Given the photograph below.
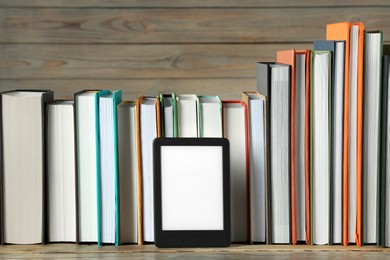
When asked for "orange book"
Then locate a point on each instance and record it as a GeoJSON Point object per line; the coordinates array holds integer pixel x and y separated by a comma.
{"type": "Point", "coordinates": [289, 57]}
{"type": "Point", "coordinates": [140, 183]}
{"type": "Point", "coordinates": [342, 31]}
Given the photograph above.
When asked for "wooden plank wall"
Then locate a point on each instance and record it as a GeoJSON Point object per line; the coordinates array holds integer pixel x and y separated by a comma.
{"type": "Point", "coordinates": [193, 46]}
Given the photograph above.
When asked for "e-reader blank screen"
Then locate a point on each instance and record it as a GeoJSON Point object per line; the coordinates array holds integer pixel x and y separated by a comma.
{"type": "Point", "coordinates": [191, 192]}
{"type": "Point", "coordinates": [192, 188]}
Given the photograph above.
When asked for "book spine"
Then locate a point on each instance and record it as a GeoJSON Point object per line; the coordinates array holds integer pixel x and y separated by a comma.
{"type": "Point", "coordinates": [1, 174]}
{"type": "Point", "coordinates": [117, 96]}
{"type": "Point", "coordinates": [139, 172]}
{"type": "Point", "coordinates": [46, 98]}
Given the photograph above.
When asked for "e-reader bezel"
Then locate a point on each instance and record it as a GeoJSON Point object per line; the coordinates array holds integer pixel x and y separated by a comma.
{"type": "Point", "coordinates": [191, 238]}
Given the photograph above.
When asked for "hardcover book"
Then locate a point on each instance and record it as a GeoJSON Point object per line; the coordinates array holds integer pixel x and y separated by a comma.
{"type": "Point", "coordinates": [337, 48]}
{"type": "Point", "coordinates": [235, 129]}
{"type": "Point", "coordinates": [273, 82]}
{"type": "Point", "coordinates": [299, 60]}
{"type": "Point", "coordinates": [109, 173]}
{"type": "Point", "coordinates": [353, 35]}
{"type": "Point", "coordinates": [23, 169]}
{"type": "Point", "coordinates": [88, 164]}
{"type": "Point", "coordinates": [61, 172]}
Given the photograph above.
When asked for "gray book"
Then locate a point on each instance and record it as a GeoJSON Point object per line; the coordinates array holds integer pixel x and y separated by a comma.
{"type": "Point", "coordinates": [371, 134]}
{"type": "Point", "coordinates": [23, 165]}
{"type": "Point", "coordinates": [384, 218]}
{"type": "Point", "coordinates": [273, 81]}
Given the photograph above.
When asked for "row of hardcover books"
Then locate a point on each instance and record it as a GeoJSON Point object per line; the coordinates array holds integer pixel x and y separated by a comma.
{"type": "Point", "coordinates": [308, 153]}
{"type": "Point", "coordinates": [332, 155]}
{"type": "Point", "coordinates": [82, 170]}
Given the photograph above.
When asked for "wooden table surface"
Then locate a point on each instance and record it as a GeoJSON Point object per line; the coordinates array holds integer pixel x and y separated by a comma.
{"type": "Point", "coordinates": [236, 251]}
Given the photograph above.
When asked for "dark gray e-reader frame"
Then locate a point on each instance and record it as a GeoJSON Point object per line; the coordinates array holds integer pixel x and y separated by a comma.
{"type": "Point", "coordinates": [191, 192]}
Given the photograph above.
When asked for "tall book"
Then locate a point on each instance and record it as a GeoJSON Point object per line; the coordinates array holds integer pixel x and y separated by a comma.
{"type": "Point", "coordinates": [299, 60]}
{"type": "Point", "coordinates": [109, 168]}
{"type": "Point", "coordinates": [384, 218]}
{"type": "Point", "coordinates": [23, 169]}
{"type": "Point", "coordinates": [168, 105]}
{"type": "Point", "coordinates": [273, 82]}
{"type": "Point", "coordinates": [61, 171]}
{"type": "Point", "coordinates": [337, 48]}
{"type": "Point", "coordinates": [320, 145]}
{"type": "Point", "coordinates": [256, 104]}
{"type": "Point", "coordinates": [353, 35]}
{"type": "Point", "coordinates": [371, 134]}
{"type": "Point", "coordinates": [128, 175]}
{"type": "Point", "coordinates": [187, 115]}
{"type": "Point", "coordinates": [210, 116]}
{"type": "Point", "coordinates": [88, 164]}
{"type": "Point", "coordinates": [235, 129]}
{"type": "Point", "coordinates": [148, 128]}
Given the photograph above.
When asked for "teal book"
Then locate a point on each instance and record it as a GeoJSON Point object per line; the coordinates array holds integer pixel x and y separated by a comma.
{"type": "Point", "coordinates": [168, 110]}
{"type": "Point", "coordinates": [109, 174]}
{"type": "Point", "coordinates": [88, 164]}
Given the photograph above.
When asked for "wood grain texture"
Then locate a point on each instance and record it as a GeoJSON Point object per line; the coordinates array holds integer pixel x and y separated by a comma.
{"type": "Point", "coordinates": [236, 251]}
{"type": "Point", "coordinates": [189, 3]}
{"type": "Point", "coordinates": [31, 61]}
{"type": "Point", "coordinates": [195, 25]}
{"type": "Point", "coordinates": [225, 88]}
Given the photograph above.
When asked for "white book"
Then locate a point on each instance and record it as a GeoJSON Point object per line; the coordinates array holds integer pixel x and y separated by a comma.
{"type": "Point", "coordinates": [320, 143]}
{"type": "Point", "coordinates": [23, 140]}
{"type": "Point", "coordinates": [128, 175]}
{"type": "Point", "coordinates": [88, 166]}
{"type": "Point", "coordinates": [235, 130]}
{"type": "Point", "coordinates": [371, 134]}
{"type": "Point", "coordinates": [300, 85]}
{"type": "Point", "coordinates": [257, 164]}
{"type": "Point", "coordinates": [338, 110]}
{"type": "Point", "coordinates": [109, 191]}
{"type": "Point", "coordinates": [148, 131]}
{"type": "Point", "coordinates": [210, 116]}
{"type": "Point", "coordinates": [187, 110]}
{"type": "Point", "coordinates": [61, 171]}
{"type": "Point", "coordinates": [280, 154]}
